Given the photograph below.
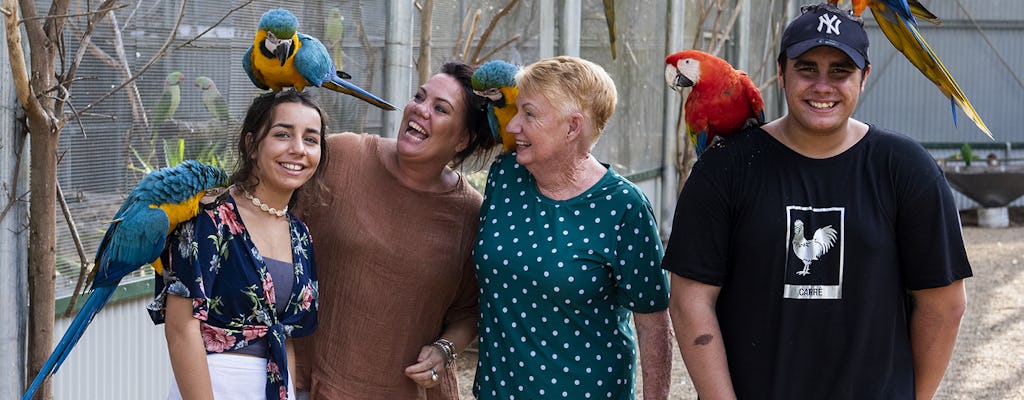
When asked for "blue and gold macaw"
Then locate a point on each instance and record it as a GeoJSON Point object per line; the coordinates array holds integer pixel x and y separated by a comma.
{"type": "Point", "coordinates": [282, 57]}
{"type": "Point", "coordinates": [496, 80]}
{"type": "Point", "coordinates": [161, 200]}
{"type": "Point", "coordinates": [897, 20]}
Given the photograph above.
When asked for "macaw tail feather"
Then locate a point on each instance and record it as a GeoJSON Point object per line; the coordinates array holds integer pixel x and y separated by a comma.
{"type": "Point", "coordinates": [340, 85]}
{"type": "Point", "coordinates": [93, 305]}
{"type": "Point", "coordinates": [905, 37]}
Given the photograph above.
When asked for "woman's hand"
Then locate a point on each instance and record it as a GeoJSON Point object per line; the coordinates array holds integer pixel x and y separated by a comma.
{"type": "Point", "coordinates": [429, 367]}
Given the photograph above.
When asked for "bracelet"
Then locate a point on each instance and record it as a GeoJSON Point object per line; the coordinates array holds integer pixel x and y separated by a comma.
{"type": "Point", "coordinates": [447, 349]}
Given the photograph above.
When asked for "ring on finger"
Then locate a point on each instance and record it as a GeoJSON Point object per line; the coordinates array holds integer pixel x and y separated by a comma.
{"type": "Point", "coordinates": [433, 375]}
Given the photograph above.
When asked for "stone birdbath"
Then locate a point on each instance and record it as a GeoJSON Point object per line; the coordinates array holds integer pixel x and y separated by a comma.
{"type": "Point", "coordinates": [992, 187]}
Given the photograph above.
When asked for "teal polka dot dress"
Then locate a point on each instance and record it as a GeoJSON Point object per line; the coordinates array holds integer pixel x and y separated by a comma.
{"type": "Point", "coordinates": [557, 282]}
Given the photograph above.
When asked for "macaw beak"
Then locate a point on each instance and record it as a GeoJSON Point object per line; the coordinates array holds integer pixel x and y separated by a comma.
{"type": "Point", "coordinates": [681, 82]}
{"type": "Point", "coordinates": [283, 50]}
{"type": "Point", "coordinates": [493, 94]}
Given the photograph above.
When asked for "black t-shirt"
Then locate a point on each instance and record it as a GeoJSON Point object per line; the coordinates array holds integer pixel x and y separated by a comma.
{"type": "Point", "coordinates": [815, 258]}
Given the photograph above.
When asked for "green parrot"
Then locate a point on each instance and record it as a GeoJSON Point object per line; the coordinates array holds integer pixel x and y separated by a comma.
{"type": "Point", "coordinates": [169, 100]}
{"type": "Point", "coordinates": [213, 100]}
{"type": "Point", "coordinates": [334, 32]}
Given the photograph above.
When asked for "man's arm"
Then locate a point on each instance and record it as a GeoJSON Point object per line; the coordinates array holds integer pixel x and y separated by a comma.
{"type": "Point", "coordinates": [700, 338]}
{"type": "Point", "coordinates": [654, 338]}
{"type": "Point", "coordinates": [934, 323]}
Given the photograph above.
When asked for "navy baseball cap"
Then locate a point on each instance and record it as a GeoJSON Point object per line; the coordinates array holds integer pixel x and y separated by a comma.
{"type": "Point", "coordinates": [826, 25]}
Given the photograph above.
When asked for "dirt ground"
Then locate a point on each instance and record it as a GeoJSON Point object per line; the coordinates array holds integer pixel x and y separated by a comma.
{"type": "Point", "coordinates": [987, 362]}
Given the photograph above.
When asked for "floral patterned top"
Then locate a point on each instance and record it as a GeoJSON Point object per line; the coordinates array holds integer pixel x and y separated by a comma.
{"type": "Point", "coordinates": [212, 260]}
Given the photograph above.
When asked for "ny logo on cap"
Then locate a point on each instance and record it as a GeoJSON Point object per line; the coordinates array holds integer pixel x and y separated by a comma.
{"type": "Point", "coordinates": [830, 22]}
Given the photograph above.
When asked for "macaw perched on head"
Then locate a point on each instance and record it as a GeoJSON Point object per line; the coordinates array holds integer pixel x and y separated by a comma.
{"type": "Point", "coordinates": [723, 100]}
{"type": "Point", "coordinates": [496, 80]}
{"type": "Point", "coordinates": [169, 99]}
{"type": "Point", "coordinates": [282, 57]}
{"type": "Point", "coordinates": [214, 102]}
{"type": "Point", "coordinates": [897, 20]}
{"type": "Point", "coordinates": [136, 236]}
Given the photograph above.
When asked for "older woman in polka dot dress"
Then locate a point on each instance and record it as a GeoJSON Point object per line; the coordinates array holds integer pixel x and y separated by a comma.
{"type": "Point", "coordinates": [567, 251]}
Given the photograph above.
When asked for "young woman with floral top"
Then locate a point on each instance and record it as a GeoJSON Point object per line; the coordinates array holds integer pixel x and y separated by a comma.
{"type": "Point", "coordinates": [239, 278]}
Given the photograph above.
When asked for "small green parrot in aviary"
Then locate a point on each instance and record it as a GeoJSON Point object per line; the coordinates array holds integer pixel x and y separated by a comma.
{"type": "Point", "coordinates": [213, 100]}
{"type": "Point", "coordinates": [334, 32]}
{"type": "Point", "coordinates": [135, 237]}
{"type": "Point", "coordinates": [281, 56]}
{"type": "Point", "coordinates": [169, 99]}
{"type": "Point", "coordinates": [496, 80]}
{"type": "Point", "coordinates": [896, 19]}
{"type": "Point", "coordinates": [723, 100]}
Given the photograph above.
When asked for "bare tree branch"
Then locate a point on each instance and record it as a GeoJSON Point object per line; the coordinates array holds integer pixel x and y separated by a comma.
{"type": "Point", "coordinates": [163, 52]}
{"type": "Point", "coordinates": [469, 37]}
{"type": "Point", "coordinates": [497, 49]}
{"type": "Point", "coordinates": [105, 8]}
{"type": "Point", "coordinates": [490, 28]}
{"type": "Point", "coordinates": [84, 261]}
{"type": "Point", "coordinates": [423, 60]}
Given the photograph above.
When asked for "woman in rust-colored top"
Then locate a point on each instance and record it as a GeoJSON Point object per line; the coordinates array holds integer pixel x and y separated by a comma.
{"type": "Point", "coordinates": [398, 295]}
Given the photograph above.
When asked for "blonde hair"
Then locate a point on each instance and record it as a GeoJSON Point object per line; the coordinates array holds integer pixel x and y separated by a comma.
{"type": "Point", "coordinates": [575, 84]}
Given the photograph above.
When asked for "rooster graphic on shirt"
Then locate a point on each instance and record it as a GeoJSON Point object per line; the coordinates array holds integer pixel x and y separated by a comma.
{"type": "Point", "coordinates": [809, 250]}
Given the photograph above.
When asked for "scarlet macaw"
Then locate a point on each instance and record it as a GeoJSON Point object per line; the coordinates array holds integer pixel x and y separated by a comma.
{"type": "Point", "coordinates": [496, 80]}
{"type": "Point", "coordinates": [723, 100]}
{"type": "Point", "coordinates": [214, 102]}
{"type": "Point", "coordinates": [282, 57]}
{"type": "Point", "coordinates": [897, 20]}
{"type": "Point", "coordinates": [158, 203]}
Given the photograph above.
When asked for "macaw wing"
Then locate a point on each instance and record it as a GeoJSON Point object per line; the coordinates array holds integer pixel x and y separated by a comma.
{"type": "Point", "coordinates": [753, 96]}
{"type": "Point", "coordinates": [313, 61]}
{"type": "Point", "coordinates": [253, 75]}
{"type": "Point", "coordinates": [315, 65]}
{"type": "Point", "coordinates": [492, 121]}
{"type": "Point", "coordinates": [135, 239]}
{"type": "Point", "coordinates": [699, 138]}
{"type": "Point", "coordinates": [904, 36]}
{"type": "Point", "coordinates": [918, 10]}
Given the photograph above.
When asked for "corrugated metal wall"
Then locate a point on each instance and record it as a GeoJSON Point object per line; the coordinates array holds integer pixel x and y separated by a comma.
{"type": "Point", "coordinates": [985, 56]}
{"type": "Point", "coordinates": [122, 356]}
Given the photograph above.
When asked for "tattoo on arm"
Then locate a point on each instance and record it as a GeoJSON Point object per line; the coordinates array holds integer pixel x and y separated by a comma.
{"type": "Point", "coordinates": [703, 339]}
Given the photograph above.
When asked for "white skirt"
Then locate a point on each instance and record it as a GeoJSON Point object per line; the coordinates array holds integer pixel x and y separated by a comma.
{"type": "Point", "coordinates": [235, 377]}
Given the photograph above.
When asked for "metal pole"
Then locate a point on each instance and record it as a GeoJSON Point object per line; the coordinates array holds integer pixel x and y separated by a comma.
{"type": "Point", "coordinates": [547, 28]}
{"type": "Point", "coordinates": [399, 67]}
{"type": "Point", "coordinates": [670, 176]}
{"type": "Point", "coordinates": [569, 30]}
{"type": "Point", "coordinates": [13, 241]}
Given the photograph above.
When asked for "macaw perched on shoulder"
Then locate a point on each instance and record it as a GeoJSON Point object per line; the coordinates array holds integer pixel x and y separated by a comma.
{"type": "Point", "coordinates": [214, 102]}
{"type": "Point", "coordinates": [723, 100]}
{"type": "Point", "coordinates": [282, 57]}
{"type": "Point", "coordinates": [169, 99]}
{"type": "Point", "coordinates": [158, 203]}
{"type": "Point", "coordinates": [496, 80]}
{"type": "Point", "coordinates": [897, 20]}
{"type": "Point", "coordinates": [334, 32]}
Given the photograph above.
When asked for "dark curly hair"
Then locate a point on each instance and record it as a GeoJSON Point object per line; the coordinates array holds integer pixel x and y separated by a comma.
{"type": "Point", "coordinates": [258, 120]}
{"type": "Point", "coordinates": [480, 137]}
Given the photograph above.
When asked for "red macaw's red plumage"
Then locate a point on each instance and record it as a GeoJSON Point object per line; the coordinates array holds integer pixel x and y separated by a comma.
{"type": "Point", "coordinates": [723, 100]}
